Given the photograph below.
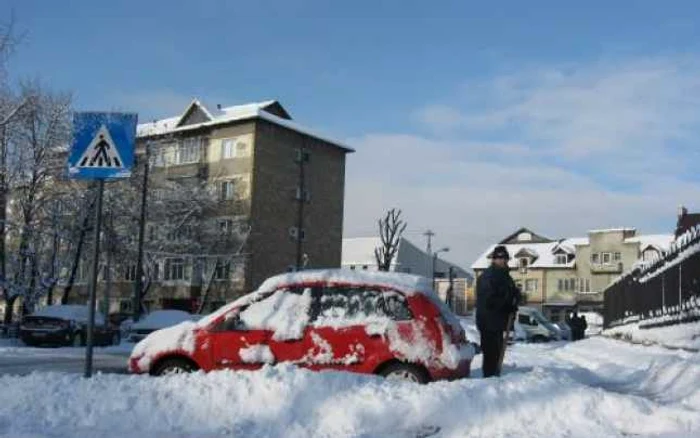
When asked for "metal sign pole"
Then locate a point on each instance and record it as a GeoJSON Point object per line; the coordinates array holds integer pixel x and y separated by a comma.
{"type": "Point", "coordinates": [93, 280]}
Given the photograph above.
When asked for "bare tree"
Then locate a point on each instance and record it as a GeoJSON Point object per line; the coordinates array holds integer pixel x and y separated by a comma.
{"type": "Point", "coordinates": [391, 227]}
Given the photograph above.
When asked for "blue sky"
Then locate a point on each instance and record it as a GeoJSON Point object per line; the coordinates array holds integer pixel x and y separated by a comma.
{"type": "Point", "coordinates": [560, 116]}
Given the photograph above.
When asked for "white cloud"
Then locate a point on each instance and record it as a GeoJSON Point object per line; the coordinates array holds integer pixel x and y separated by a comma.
{"type": "Point", "coordinates": [576, 148]}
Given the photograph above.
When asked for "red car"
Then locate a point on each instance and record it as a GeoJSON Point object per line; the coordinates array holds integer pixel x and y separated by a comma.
{"type": "Point", "coordinates": [375, 323]}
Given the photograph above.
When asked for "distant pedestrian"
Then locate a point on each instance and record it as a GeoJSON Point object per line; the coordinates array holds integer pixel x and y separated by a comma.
{"type": "Point", "coordinates": [583, 324]}
{"type": "Point", "coordinates": [496, 299]}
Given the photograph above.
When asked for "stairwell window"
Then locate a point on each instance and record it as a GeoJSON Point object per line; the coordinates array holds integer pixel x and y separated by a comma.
{"type": "Point", "coordinates": [234, 148]}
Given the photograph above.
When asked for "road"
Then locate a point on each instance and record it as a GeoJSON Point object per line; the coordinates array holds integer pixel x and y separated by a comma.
{"type": "Point", "coordinates": [22, 360]}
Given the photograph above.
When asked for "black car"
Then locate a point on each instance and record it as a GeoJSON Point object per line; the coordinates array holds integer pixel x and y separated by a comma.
{"type": "Point", "coordinates": [63, 325]}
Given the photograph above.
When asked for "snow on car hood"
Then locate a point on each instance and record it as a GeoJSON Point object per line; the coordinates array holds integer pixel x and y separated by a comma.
{"type": "Point", "coordinates": [180, 337]}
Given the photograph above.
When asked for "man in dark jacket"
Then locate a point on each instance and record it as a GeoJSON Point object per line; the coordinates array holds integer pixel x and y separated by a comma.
{"type": "Point", "coordinates": [496, 299]}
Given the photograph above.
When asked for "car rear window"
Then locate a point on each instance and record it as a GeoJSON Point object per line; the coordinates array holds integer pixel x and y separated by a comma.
{"type": "Point", "coordinates": [358, 303]}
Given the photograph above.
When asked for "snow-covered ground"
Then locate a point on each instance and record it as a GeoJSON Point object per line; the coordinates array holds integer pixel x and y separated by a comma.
{"type": "Point", "coordinates": [674, 336]}
{"type": "Point", "coordinates": [598, 387]}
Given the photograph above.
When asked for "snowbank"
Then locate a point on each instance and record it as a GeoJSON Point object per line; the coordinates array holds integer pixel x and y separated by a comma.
{"type": "Point", "coordinates": [675, 336]}
{"type": "Point", "coordinates": [284, 401]}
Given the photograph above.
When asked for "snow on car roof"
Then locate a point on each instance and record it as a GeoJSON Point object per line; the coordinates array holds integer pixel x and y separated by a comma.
{"type": "Point", "coordinates": [406, 283]}
{"type": "Point", "coordinates": [74, 312]}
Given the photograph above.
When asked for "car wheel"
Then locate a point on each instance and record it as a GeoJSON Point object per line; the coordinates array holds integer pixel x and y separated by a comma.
{"type": "Point", "coordinates": [405, 372]}
{"type": "Point", "coordinates": [174, 366]}
{"type": "Point", "coordinates": [539, 339]}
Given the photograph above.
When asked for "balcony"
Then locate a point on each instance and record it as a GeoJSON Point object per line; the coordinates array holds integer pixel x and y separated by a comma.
{"type": "Point", "coordinates": [607, 268]}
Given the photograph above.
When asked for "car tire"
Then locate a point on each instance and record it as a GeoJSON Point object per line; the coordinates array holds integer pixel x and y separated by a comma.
{"type": "Point", "coordinates": [539, 339]}
{"type": "Point", "coordinates": [405, 372]}
{"type": "Point", "coordinates": [172, 366]}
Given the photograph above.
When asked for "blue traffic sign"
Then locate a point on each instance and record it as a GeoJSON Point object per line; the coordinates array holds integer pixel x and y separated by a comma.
{"type": "Point", "coordinates": [103, 145]}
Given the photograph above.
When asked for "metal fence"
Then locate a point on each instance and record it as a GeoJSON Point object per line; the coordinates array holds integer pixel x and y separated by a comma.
{"type": "Point", "coordinates": [662, 292]}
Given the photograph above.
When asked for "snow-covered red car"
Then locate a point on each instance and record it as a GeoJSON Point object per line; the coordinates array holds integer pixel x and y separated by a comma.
{"type": "Point", "coordinates": [388, 324]}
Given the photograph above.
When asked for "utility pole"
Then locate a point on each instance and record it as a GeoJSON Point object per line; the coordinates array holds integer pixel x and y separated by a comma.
{"type": "Point", "coordinates": [301, 195]}
{"type": "Point", "coordinates": [429, 234]}
{"type": "Point", "coordinates": [138, 281]}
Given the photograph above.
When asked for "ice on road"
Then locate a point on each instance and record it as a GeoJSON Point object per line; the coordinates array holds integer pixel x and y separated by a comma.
{"type": "Point", "coordinates": [594, 388]}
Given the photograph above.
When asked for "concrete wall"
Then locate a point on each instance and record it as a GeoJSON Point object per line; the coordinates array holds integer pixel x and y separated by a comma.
{"type": "Point", "coordinates": [274, 208]}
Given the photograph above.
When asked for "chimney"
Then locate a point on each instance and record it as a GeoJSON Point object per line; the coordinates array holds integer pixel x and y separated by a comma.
{"type": "Point", "coordinates": [218, 106]}
{"type": "Point", "coordinates": [682, 211]}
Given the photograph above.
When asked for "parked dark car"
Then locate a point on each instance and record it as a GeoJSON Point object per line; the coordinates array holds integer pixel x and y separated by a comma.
{"type": "Point", "coordinates": [65, 325]}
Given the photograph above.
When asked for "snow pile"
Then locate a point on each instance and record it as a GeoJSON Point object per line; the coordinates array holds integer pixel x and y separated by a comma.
{"type": "Point", "coordinates": [550, 397]}
{"type": "Point", "coordinates": [284, 313]}
{"type": "Point", "coordinates": [257, 354]}
{"type": "Point", "coordinates": [685, 335]}
{"type": "Point", "coordinates": [180, 337]}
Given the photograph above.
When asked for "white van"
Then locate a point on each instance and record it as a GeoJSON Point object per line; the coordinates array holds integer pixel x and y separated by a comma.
{"type": "Point", "coordinates": [536, 326]}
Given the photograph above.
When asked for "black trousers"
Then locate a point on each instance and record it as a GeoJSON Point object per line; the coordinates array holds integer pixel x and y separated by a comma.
{"type": "Point", "coordinates": [491, 346]}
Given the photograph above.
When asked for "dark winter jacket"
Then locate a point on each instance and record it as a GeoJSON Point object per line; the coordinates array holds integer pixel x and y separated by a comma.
{"type": "Point", "coordinates": [496, 298]}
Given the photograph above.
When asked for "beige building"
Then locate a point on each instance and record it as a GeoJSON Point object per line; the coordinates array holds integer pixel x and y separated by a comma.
{"type": "Point", "coordinates": [556, 275]}
{"type": "Point", "coordinates": [278, 185]}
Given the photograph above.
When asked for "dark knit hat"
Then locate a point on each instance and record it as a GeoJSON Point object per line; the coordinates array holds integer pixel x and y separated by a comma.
{"type": "Point", "coordinates": [500, 252]}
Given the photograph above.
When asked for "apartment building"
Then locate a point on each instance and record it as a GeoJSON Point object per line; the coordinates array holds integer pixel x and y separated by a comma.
{"type": "Point", "coordinates": [279, 198]}
{"type": "Point", "coordinates": [556, 275]}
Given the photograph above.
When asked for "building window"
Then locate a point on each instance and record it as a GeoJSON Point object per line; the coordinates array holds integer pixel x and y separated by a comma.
{"type": "Point", "coordinates": [188, 151]}
{"type": "Point", "coordinates": [606, 257]}
{"type": "Point", "coordinates": [617, 256]}
{"type": "Point", "coordinates": [560, 285]}
{"type": "Point", "coordinates": [572, 284]}
{"type": "Point", "coordinates": [234, 188]}
{"type": "Point", "coordinates": [130, 273]}
{"type": "Point", "coordinates": [588, 285]}
{"type": "Point", "coordinates": [234, 148]}
{"type": "Point", "coordinates": [222, 270]}
{"type": "Point", "coordinates": [524, 262]}
{"type": "Point", "coordinates": [531, 285]}
{"type": "Point", "coordinates": [560, 259]}
{"type": "Point", "coordinates": [525, 237]}
{"type": "Point", "coordinates": [227, 190]}
{"type": "Point", "coordinates": [595, 258]}
{"type": "Point", "coordinates": [226, 226]}
{"type": "Point", "coordinates": [174, 269]}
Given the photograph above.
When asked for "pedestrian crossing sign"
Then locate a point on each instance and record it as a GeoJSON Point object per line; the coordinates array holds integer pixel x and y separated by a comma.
{"type": "Point", "coordinates": [103, 145]}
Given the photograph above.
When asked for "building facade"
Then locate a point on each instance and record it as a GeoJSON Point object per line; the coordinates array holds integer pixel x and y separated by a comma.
{"type": "Point", "coordinates": [557, 275]}
{"type": "Point", "coordinates": [275, 194]}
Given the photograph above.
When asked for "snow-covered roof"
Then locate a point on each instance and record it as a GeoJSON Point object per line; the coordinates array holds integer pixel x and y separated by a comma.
{"type": "Point", "coordinates": [661, 242]}
{"type": "Point", "coordinates": [611, 230]}
{"type": "Point", "coordinates": [227, 115]}
{"type": "Point", "coordinates": [543, 251]}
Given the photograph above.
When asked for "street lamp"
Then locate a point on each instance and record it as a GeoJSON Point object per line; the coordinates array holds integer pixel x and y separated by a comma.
{"type": "Point", "coordinates": [435, 256]}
